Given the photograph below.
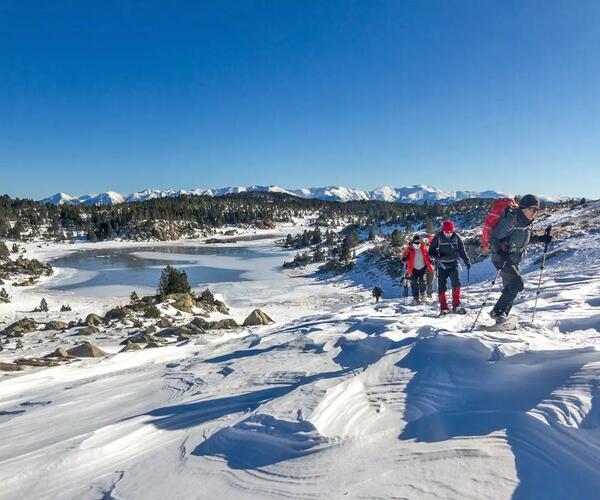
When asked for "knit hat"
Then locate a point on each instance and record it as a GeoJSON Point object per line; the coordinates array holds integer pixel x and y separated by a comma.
{"type": "Point", "coordinates": [448, 226]}
{"type": "Point", "coordinates": [416, 239]}
{"type": "Point", "coordinates": [529, 200]}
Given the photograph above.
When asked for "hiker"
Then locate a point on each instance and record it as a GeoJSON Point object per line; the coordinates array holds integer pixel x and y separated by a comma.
{"type": "Point", "coordinates": [377, 293]}
{"type": "Point", "coordinates": [447, 247]}
{"type": "Point", "coordinates": [417, 264]}
{"type": "Point", "coordinates": [430, 275]}
{"type": "Point", "coordinates": [508, 241]}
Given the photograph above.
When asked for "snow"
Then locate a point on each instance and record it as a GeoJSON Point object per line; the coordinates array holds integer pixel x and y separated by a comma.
{"type": "Point", "coordinates": [368, 400]}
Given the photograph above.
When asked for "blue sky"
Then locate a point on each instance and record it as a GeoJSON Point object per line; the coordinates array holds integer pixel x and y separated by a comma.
{"type": "Point", "coordinates": [123, 95]}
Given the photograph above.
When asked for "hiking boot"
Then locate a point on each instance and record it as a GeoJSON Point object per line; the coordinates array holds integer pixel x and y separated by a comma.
{"type": "Point", "coordinates": [498, 317]}
{"type": "Point", "coordinates": [459, 310]}
{"type": "Point", "coordinates": [444, 312]}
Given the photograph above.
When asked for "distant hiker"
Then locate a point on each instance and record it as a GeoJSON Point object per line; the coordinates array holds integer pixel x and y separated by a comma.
{"type": "Point", "coordinates": [508, 241]}
{"type": "Point", "coordinates": [417, 264]}
{"type": "Point", "coordinates": [377, 293]}
{"type": "Point", "coordinates": [447, 247]}
{"type": "Point", "coordinates": [430, 275]}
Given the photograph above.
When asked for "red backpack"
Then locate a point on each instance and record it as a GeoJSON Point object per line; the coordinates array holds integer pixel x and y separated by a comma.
{"type": "Point", "coordinates": [493, 217]}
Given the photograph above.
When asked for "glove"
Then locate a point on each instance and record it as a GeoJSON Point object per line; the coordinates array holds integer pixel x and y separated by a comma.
{"type": "Point", "coordinates": [545, 238]}
{"type": "Point", "coordinates": [468, 264]}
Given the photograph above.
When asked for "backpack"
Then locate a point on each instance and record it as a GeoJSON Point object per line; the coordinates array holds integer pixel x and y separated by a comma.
{"type": "Point", "coordinates": [493, 217]}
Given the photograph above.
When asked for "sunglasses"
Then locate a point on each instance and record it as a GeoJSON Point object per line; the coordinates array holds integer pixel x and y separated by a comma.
{"type": "Point", "coordinates": [533, 209]}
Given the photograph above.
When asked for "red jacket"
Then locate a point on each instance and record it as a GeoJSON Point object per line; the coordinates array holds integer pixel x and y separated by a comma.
{"type": "Point", "coordinates": [409, 256]}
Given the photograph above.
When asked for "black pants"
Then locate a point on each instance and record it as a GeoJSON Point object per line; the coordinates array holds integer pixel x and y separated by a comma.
{"type": "Point", "coordinates": [444, 274]}
{"type": "Point", "coordinates": [512, 282]}
{"type": "Point", "coordinates": [417, 282]}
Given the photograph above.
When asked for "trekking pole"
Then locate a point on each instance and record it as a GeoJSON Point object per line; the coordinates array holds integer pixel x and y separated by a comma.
{"type": "Point", "coordinates": [537, 293]}
{"type": "Point", "coordinates": [486, 298]}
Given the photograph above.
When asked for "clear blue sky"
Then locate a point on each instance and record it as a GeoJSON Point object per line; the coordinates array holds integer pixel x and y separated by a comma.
{"type": "Point", "coordinates": [123, 95]}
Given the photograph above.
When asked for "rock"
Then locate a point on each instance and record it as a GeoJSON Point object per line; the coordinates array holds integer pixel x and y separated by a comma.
{"type": "Point", "coordinates": [86, 350]}
{"type": "Point", "coordinates": [35, 362]}
{"type": "Point", "coordinates": [164, 323]}
{"type": "Point", "coordinates": [151, 329]}
{"type": "Point", "coordinates": [257, 317]}
{"type": "Point", "coordinates": [130, 346]}
{"type": "Point", "coordinates": [93, 320]}
{"type": "Point", "coordinates": [152, 345]}
{"type": "Point", "coordinates": [18, 328]}
{"type": "Point", "coordinates": [140, 338]}
{"type": "Point", "coordinates": [182, 301]}
{"type": "Point", "coordinates": [9, 367]}
{"type": "Point", "coordinates": [222, 324]}
{"type": "Point", "coordinates": [118, 314]}
{"type": "Point", "coordinates": [221, 307]}
{"type": "Point", "coordinates": [61, 352]}
{"type": "Point", "coordinates": [226, 370]}
{"type": "Point", "coordinates": [56, 325]}
{"type": "Point", "coordinates": [86, 330]}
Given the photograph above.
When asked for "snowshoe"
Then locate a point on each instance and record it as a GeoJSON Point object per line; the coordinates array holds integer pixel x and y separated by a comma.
{"type": "Point", "coordinates": [459, 310]}
{"type": "Point", "coordinates": [504, 324]}
{"type": "Point", "coordinates": [444, 312]}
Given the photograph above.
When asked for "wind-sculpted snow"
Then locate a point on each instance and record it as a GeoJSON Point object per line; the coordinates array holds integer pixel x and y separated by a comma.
{"type": "Point", "coordinates": [370, 401]}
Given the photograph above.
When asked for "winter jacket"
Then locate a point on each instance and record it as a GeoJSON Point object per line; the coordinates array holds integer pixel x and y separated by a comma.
{"type": "Point", "coordinates": [448, 250]}
{"type": "Point", "coordinates": [511, 235]}
{"type": "Point", "coordinates": [410, 254]}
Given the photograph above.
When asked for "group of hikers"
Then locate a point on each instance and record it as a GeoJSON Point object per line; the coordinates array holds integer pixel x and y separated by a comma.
{"type": "Point", "coordinates": [507, 232]}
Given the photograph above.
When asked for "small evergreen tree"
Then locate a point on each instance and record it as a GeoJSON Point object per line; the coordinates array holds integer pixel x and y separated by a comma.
{"type": "Point", "coordinates": [372, 233]}
{"type": "Point", "coordinates": [289, 240]}
{"type": "Point", "coordinates": [134, 298]}
{"type": "Point", "coordinates": [4, 252]}
{"type": "Point", "coordinates": [43, 307]}
{"type": "Point", "coordinates": [398, 238]}
{"type": "Point", "coordinates": [173, 281]}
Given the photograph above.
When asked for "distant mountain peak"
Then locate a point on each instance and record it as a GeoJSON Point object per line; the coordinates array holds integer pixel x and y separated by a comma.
{"type": "Point", "coordinates": [417, 193]}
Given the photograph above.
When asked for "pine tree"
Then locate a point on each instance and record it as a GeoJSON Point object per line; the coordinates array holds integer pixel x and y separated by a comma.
{"type": "Point", "coordinates": [398, 238]}
{"type": "Point", "coordinates": [134, 298]}
{"type": "Point", "coordinates": [172, 281]}
{"type": "Point", "coordinates": [372, 233]}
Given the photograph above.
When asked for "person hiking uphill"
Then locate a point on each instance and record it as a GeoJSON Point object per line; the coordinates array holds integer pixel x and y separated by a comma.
{"type": "Point", "coordinates": [417, 264]}
{"type": "Point", "coordinates": [377, 293]}
{"type": "Point", "coordinates": [447, 247]}
{"type": "Point", "coordinates": [508, 242]}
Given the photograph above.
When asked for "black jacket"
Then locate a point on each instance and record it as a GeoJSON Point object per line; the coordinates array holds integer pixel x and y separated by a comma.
{"type": "Point", "coordinates": [448, 250]}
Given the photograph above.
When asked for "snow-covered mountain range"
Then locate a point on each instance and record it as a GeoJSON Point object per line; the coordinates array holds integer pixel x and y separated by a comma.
{"type": "Point", "coordinates": [409, 194]}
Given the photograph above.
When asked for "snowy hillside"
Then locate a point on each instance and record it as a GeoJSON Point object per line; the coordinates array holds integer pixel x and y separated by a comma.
{"type": "Point", "coordinates": [410, 194]}
{"type": "Point", "coordinates": [367, 401]}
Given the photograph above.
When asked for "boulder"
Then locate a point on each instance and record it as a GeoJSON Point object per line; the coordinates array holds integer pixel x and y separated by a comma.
{"type": "Point", "coordinates": [61, 352]}
{"type": "Point", "coordinates": [18, 328]}
{"type": "Point", "coordinates": [140, 338]}
{"type": "Point", "coordinates": [35, 362]}
{"type": "Point", "coordinates": [257, 317]}
{"type": "Point", "coordinates": [130, 346]}
{"type": "Point", "coordinates": [223, 324]}
{"type": "Point", "coordinates": [9, 367]}
{"type": "Point", "coordinates": [118, 314]}
{"type": "Point", "coordinates": [182, 301]}
{"type": "Point", "coordinates": [86, 330]}
{"type": "Point", "coordinates": [221, 307]}
{"type": "Point", "coordinates": [93, 320]}
{"type": "Point", "coordinates": [164, 323]}
{"type": "Point", "coordinates": [86, 350]}
{"type": "Point", "coordinates": [150, 330]}
{"type": "Point", "coordinates": [152, 345]}
{"type": "Point", "coordinates": [56, 325]}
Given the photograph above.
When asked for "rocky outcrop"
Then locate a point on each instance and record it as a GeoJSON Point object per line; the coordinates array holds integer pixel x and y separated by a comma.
{"type": "Point", "coordinates": [9, 367]}
{"type": "Point", "coordinates": [18, 328]}
{"type": "Point", "coordinates": [56, 325]}
{"type": "Point", "coordinates": [182, 301]}
{"type": "Point", "coordinates": [86, 350]}
{"type": "Point", "coordinates": [256, 318]}
{"type": "Point", "coordinates": [86, 330]}
{"type": "Point", "coordinates": [93, 320]}
{"type": "Point", "coordinates": [222, 324]}
{"type": "Point", "coordinates": [130, 346]}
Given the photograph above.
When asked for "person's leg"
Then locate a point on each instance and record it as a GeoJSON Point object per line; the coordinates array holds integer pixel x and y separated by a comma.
{"type": "Point", "coordinates": [442, 279]}
{"type": "Point", "coordinates": [430, 276]}
{"type": "Point", "coordinates": [513, 284]}
{"type": "Point", "coordinates": [414, 285]}
{"type": "Point", "coordinates": [422, 285]}
{"type": "Point", "coordinates": [455, 282]}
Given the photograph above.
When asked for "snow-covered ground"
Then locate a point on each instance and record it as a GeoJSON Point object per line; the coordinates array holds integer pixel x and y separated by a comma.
{"type": "Point", "coordinates": [368, 401]}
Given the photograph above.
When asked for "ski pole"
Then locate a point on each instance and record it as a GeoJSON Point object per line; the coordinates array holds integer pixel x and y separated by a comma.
{"type": "Point", "coordinates": [537, 293]}
{"type": "Point", "coordinates": [486, 298]}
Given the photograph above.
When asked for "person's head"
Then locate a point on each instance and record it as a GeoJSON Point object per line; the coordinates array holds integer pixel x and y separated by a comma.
{"type": "Point", "coordinates": [416, 241]}
{"type": "Point", "coordinates": [529, 204]}
{"type": "Point", "coordinates": [448, 228]}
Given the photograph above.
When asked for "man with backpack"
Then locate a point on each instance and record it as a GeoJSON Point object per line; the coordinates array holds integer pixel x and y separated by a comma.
{"type": "Point", "coordinates": [508, 239]}
{"type": "Point", "coordinates": [417, 264]}
{"type": "Point", "coordinates": [447, 247]}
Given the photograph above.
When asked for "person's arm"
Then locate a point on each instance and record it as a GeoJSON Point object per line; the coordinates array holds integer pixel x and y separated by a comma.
{"type": "Point", "coordinates": [462, 252]}
{"type": "Point", "coordinates": [434, 248]}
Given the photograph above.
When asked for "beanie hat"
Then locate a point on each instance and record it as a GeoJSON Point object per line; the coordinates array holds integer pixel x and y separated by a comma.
{"type": "Point", "coordinates": [529, 200]}
{"type": "Point", "coordinates": [448, 226]}
{"type": "Point", "coordinates": [416, 238]}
